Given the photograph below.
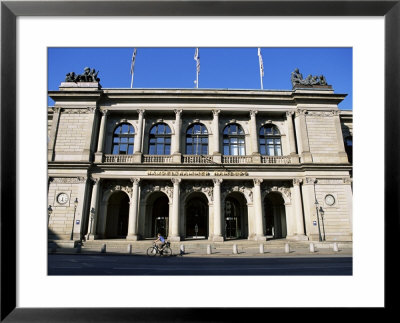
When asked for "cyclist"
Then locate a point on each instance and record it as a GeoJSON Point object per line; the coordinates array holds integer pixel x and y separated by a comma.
{"type": "Point", "coordinates": [160, 241]}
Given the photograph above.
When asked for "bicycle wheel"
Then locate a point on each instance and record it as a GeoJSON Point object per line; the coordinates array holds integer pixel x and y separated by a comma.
{"type": "Point", "coordinates": [151, 251]}
{"type": "Point", "coordinates": [167, 251]}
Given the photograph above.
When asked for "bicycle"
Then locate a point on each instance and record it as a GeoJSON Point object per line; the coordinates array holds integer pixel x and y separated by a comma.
{"type": "Point", "coordinates": [164, 251]}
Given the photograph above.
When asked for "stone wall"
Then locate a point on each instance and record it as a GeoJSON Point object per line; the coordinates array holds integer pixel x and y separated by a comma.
{"type": "Point", "coordinates": [322, 134]}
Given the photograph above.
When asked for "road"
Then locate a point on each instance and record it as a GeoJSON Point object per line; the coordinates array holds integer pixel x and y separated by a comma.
{"type": "Point", "coordinates": [183, 266]}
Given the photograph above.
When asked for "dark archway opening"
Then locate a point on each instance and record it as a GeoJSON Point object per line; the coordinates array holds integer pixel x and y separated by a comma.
{"type": "Point", "coordinates": [196, 210]}
{"type": "Point", "coordinates": [275, 216]}
{"type": "Point", "coordinates": [117, 216]}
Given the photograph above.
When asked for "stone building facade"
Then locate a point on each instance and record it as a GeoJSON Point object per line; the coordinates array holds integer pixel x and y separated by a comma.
{"type": "Point", "coordinates": [194, 163]}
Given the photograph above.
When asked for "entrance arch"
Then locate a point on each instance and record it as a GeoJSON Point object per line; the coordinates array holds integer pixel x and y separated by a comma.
{"type": "Point", "coordinates": [196, 216]}
{"type": "Point", "coordinates": [117, 215]}
{"type": "Point", "coordinates": [235, 216]}
{"type": "Point", "coordinates": [157, 215]}
{"type": "Point", "coordinates": [275, 216]}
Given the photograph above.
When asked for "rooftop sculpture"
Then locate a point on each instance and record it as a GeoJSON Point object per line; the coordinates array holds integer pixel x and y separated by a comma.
{"type": "Point", "coordinates": [87, 76]}
{"type": "Point", "coordinates": [297, 78]}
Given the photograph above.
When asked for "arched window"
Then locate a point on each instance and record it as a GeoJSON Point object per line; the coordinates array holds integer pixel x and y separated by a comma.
{"type": "Point", "coordinates": [160, 139]}
{"type": "Point", "coordinates": [197, 140]}
{"type": "Point", "coordinates": [270, 141]}
{"type": "Point", "coordinates": [123, 139]}
{"type": "Point", "coordinates": [348, 145]}
{"type": "Point", "coordinates": [233, 140]}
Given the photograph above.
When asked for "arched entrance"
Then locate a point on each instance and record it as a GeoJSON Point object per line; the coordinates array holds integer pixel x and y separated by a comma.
{"type": "Point", "coordinates": [117, 215]}
{"type": "Point", "coordinates": [275, 216]}
{"type": "Point", "coordinates": [157, 215]}
{"type": "Point", "coordinates": [235, 216]}
{"type": "Point", "coordinates": [196, 211]}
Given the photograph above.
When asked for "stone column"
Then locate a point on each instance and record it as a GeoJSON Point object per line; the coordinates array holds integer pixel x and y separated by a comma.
{"type": "Point", "coordinates": [138, 149]}
{"type": "Point", "coordinates": [254, 137]}
{"type": "Point", "coordinates": [258, 209]}
{"type": "Point", "coordinates": [310, 213]}
{"type": "Point", "coordinates": [100, 143]}
{"type": "Point", "coordinates": [53, 134]}
{"type": "Point", "coordinates": [89, 146]}
{"type": "Point", "coordinates": [291, 137]}
{"type": "Point", "coordinates": [94, 211]}
{"type": "Point", "coordinates": [138, 139]}
{"type": "Point", "coordinates": [177, 146]}
{"type": "Point", "coordinates": [216, 152]}
{"type": "Point", "coordinates": [174, 236]}
{"type": "Point", "coordinates": [339, 135]}
{"type": "Point", "coordinates": [133, 208]}
{"type": "Point", "coordinates": [302, 136]}
{"type": "Point", "coordinates": [349, 199]}
{"type": "Point", "coordinates": [217, 210]}
{"type": "Point", "coordinates": [298, 209]}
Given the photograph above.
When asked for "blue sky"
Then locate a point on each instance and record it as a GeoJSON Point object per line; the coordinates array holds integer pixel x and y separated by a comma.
{"type": "Point", "coordinates": [220, 68]}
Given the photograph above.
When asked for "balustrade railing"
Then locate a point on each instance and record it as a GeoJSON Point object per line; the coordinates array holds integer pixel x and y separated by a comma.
{"type": "Point", "coordinates": [157, 159]}
{"type": "Point", "coordinates": [123, 159]}
{"type": "Point", "coordinates": [237, 159]}
{"type": "Point", "coordinates": [197, 159]}
{"type": "Point", "coordinates": [275, 160]}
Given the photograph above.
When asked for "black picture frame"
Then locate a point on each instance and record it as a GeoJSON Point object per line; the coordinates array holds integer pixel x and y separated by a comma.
{"type": "Point", "coordinates": [10, 10]}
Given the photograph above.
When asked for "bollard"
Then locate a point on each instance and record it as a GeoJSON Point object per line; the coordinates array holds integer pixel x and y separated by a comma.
{"type": "Point", "coordinates": [335, 247]}
{"type": "Point", "coordinates": [78, 248]}
{"type": "Point", "coordinates": [208, 249]}
{"type": "Point", "coordinates": [182, 250]}
{"type": "Point", "coordinates": [130, 249]}
{"type": "Point", "coordinates": [103, 248]}
{"type": "Point", "coordinates": [261, 248]}
{"type": "Point", "coordinates": [235, 250]}
{"type": "Point", "coordinates": [312, 249]}
{"type": "Point", "coordinates": [287, 248]}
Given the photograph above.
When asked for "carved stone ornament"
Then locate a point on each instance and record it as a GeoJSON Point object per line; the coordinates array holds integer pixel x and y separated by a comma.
{"type": "Point", "coordinates": [178, 112]}
{"type": "Point", "coordinates": [140, 111]}
{"type": "Point", "coordinates": [217, 181]}
{"type": "Point", "coordinates": [297, 181]}
{"type": "Point", "coordinates": [310, 180]}
{"type": "Point", "coordinates": [297, 79]}
{"type": "Point", "coordinates": [104, 112]}
{"type": "Point", "coordinates": [187, 189]}
{"type": "Point", "coordinates": [79, 110]}
{"type": "Point", "coordinates": [246, 191]}
{"type": "Point", "coordinates": [114, 187]}
{"type": "Point", "coordinates": [347, 180]}
{"type": "Point", "coordinates": [253, 113]}
{"type": "Point", "coordinates": [135, 180]}
{"type": "Point", "coordinates": [216, 112]}
{"type": "Point", "coordinates": [176, 181]}
{"type": "Point", "coordinates": [95, 180]}
{"type": "Point", "coordinates": [150, 188]}
{"type": "Point", "coordinates": [284, 190]}
{"type": "Point", "coordinates": [300, 112]}
{"type": "Point", "coordinates": [257, 181]}
{"type": "Point", "coordinates": [289, 113]}
{"type": "Point", "coordinates": [68, 180]}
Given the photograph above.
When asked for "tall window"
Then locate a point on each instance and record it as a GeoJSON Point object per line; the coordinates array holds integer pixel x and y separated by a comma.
{"type": "Point", "coordinates": [233, 140]}
{"type": "Point", "coordinates": [348, 145]}
{"type": "Point", "coordinates": [160, 139]}
{"type": "Point", "coordinates": [123, 139]}
{"type": "Point", "coordinates": [197, 140]}
{"type": "Point", "coordinates": [270, 141]}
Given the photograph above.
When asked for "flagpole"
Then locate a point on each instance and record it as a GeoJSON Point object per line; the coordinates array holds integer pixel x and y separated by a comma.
{"type": "Point", "coordinates": [197, 59]}
{"type": "Point", "coordinates": [133, 65]}
{"type": "Point", "coordinates": [261, 68]}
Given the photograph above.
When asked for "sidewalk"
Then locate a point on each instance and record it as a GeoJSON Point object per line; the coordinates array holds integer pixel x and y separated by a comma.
{"type": "Point", "coordinates": [225, 249]}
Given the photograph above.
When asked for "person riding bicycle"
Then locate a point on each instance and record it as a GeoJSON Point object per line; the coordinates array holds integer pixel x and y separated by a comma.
{"type": "Point", "coordinates": [160, 241]}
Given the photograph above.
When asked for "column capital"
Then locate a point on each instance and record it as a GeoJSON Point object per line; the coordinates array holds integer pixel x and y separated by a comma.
{"type": "Point", "coordinates": [253, 113]}
{"type": "Point", "coordinates": [300, 112]}
{"type": "Point", "coordinates": [178, 112]}
{"type": "Point", "coordinates": [257, 181]}
{"type": "Point", "coordinates": [217, 181]}
{"type": "Point", "coordinates": [216, 112]}
{"type": "Point", "coordinates": [310, 180]}
{"type": "Point", "coordinates": [91, 109]}
{"type": "Point", "coordinates": [95, 180]}
{"type": "Point", "coordinates": [57, 109]}
{"type": "Point", "coordinates": [135, 180]}
{"type": "Point", "coordinates": [289, 114]}
{"type": "Point", "coordinates": [347, 180]}
{"type": "Point", "coordinates": [335, 112]}
{"type": "Point", "coordinates": [176, 181]}
{"type": "Point", "coordinates": [297, 181]}
{"type": "Point", "coordinates": [104, 112]}
{"type": "Point", "coordinates": [140, 111]}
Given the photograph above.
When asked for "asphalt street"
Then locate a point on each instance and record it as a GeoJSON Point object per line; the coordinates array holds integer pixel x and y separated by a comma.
{"type": "Point", "coordinates": [81, 264]}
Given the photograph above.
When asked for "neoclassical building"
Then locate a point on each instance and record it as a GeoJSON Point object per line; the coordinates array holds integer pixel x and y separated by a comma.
{"type": "Point", "coordinates": [199, 164]}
